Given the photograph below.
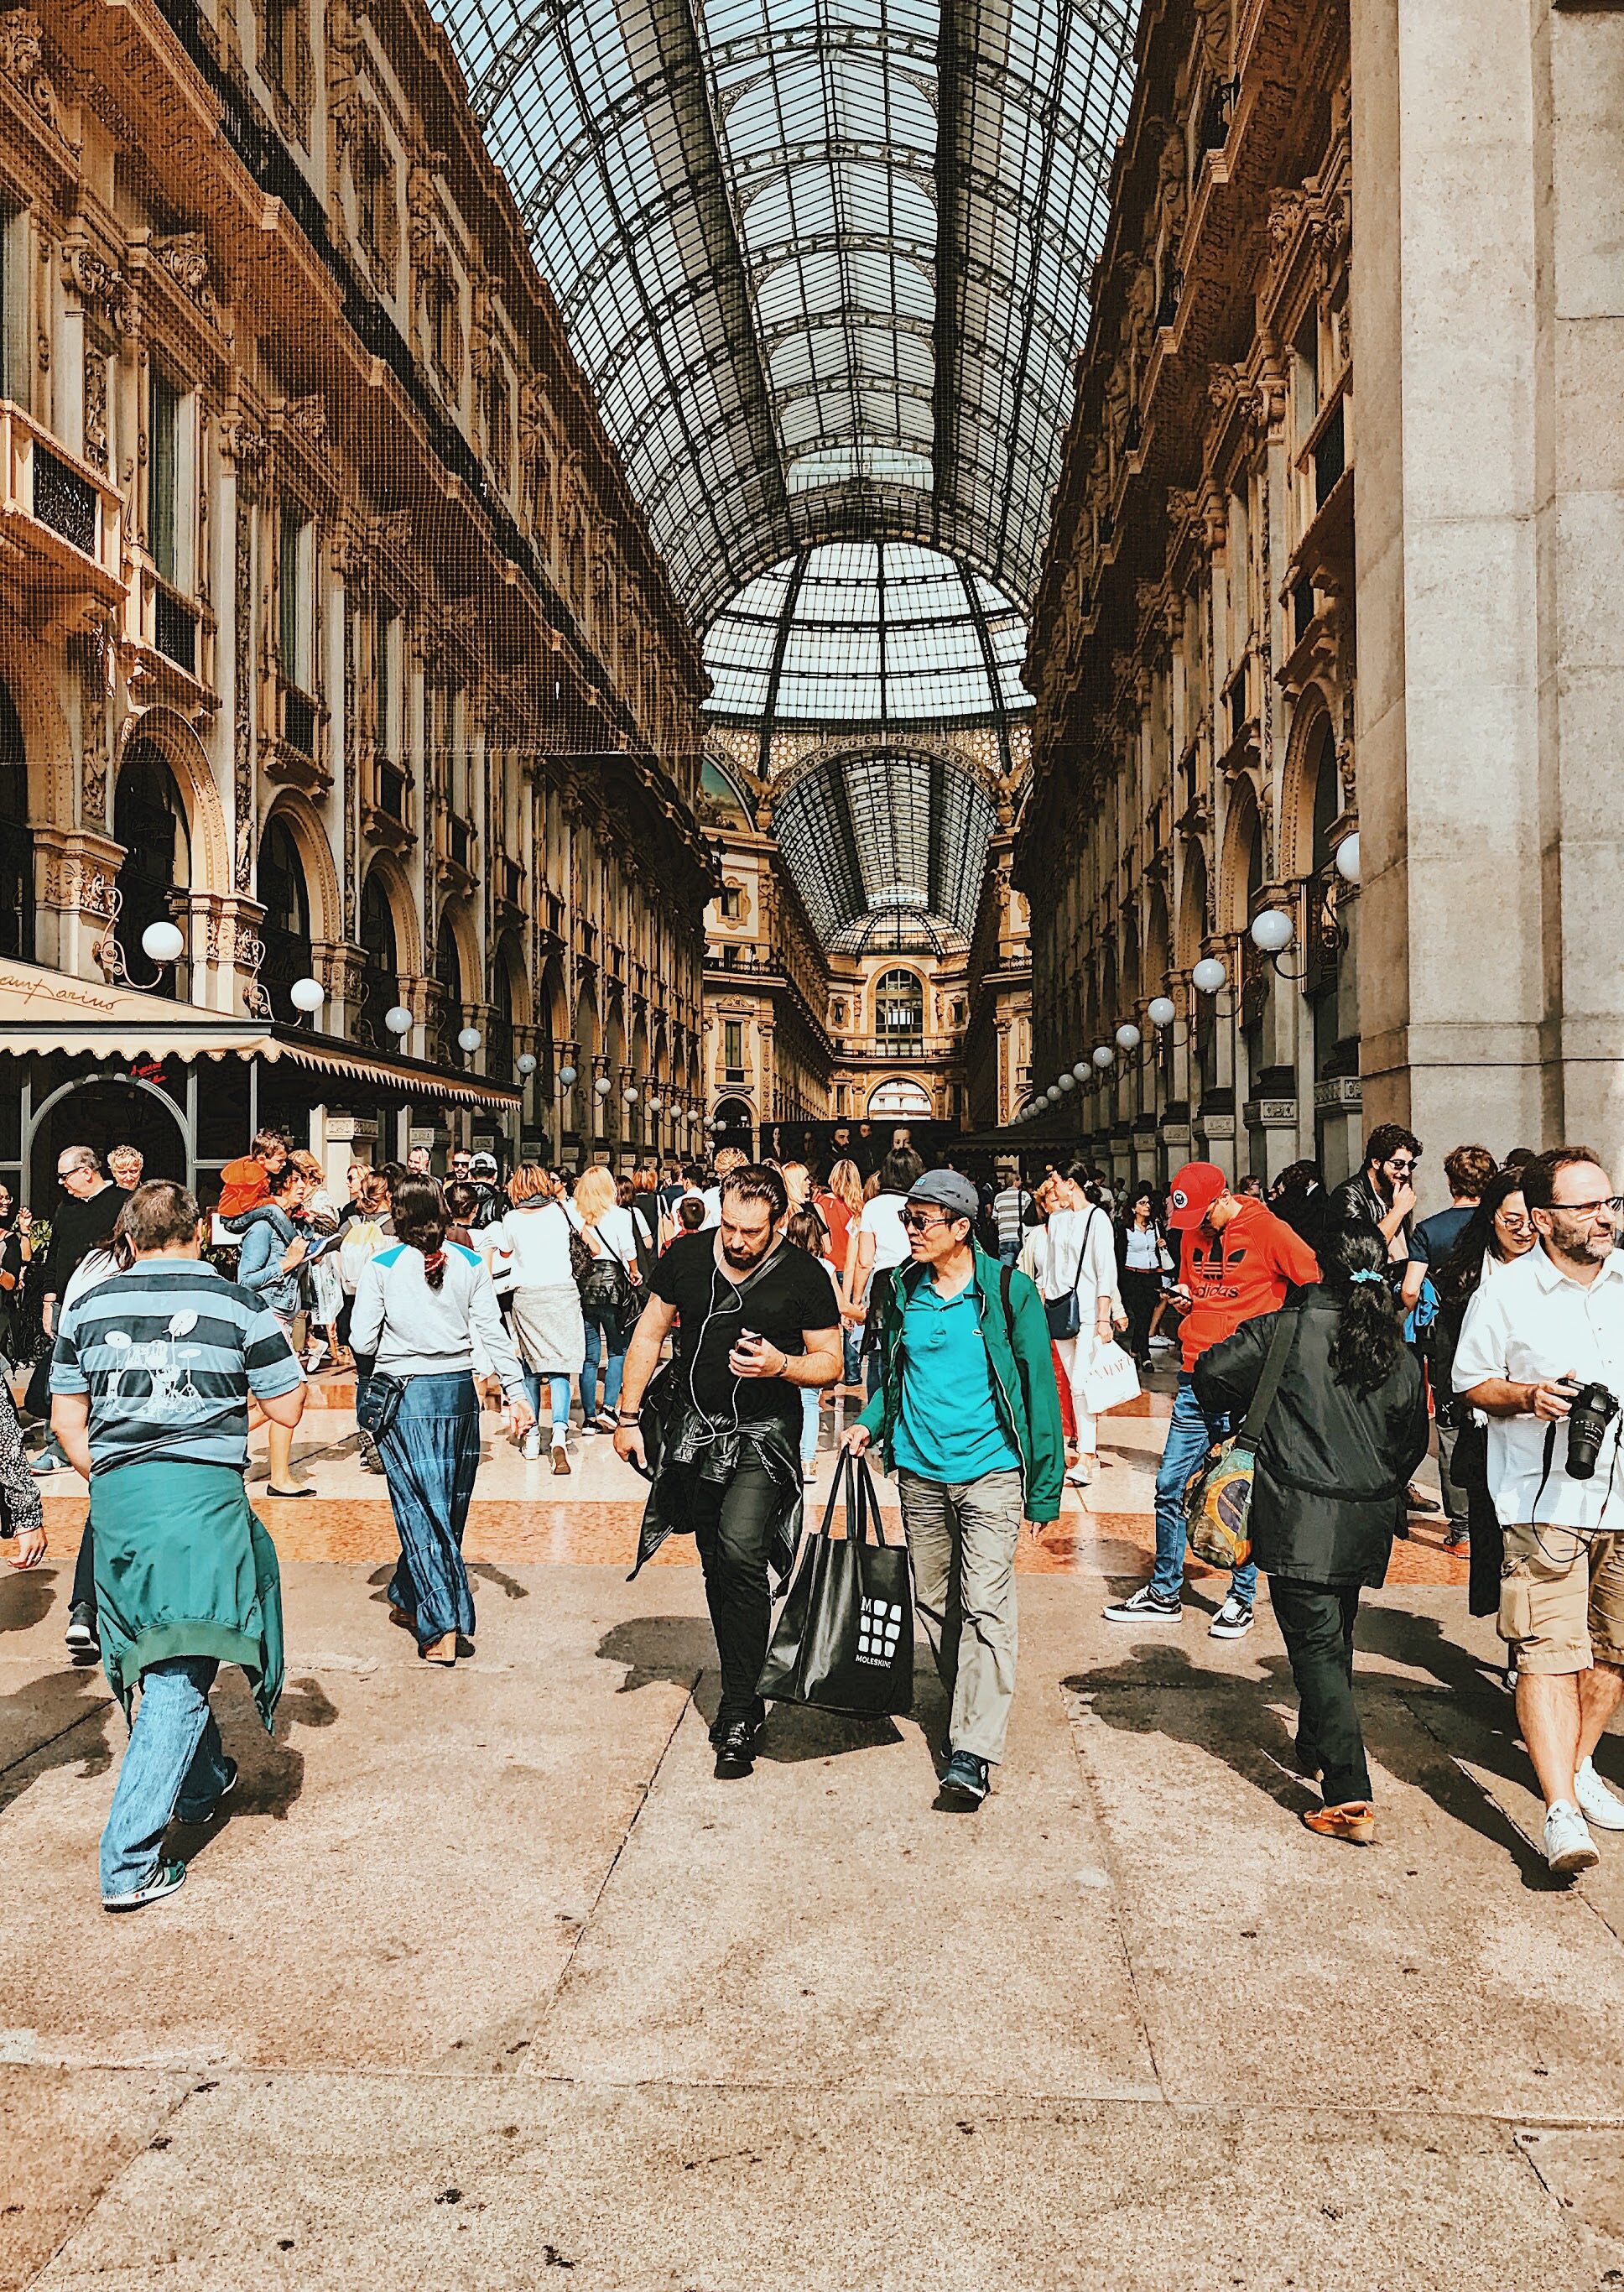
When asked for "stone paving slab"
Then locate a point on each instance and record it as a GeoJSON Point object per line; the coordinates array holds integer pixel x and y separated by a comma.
{"type": "Point", "coordinates": [272, 2180]}
{"type": "Point", "coordinates": [65, 2137]}
{"type": "Point", "coordinates": [405, 1871]}
{"type": "Point", "coordinates": [1441, 1968]}
{"type": "Point", "coordinates": [824, 1925]}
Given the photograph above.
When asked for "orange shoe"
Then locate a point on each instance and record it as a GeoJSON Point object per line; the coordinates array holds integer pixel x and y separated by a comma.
{"type": "Point", "coordinates": [442, 1651]}
{"type": "Point", "coordinates": [1355, 1822]}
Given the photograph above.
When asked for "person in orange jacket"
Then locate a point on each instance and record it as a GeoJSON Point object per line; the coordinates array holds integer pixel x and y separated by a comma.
{"type": "Point", "coordinates": [243, 1185]}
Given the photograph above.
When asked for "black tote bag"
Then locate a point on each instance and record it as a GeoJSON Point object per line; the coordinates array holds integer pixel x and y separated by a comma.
{"type": "Point", "coordinates": [844, 1638]}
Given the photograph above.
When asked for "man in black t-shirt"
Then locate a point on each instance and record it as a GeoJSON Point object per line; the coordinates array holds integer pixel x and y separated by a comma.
{"type": "Point", "coordinates": [756, 1324]}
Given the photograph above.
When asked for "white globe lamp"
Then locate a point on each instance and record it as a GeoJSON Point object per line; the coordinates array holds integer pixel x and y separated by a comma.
{"type": "Point", "coordinates": [1103, 1056]}
{"type": "Point", "coordinates": [1052, 1093]}
{"type": "Point", "coordinates": [566, 1077]}
{"type": "Point", "coordinates": [307, 995]}
{"type": "Point", "coordinates": [468, 1039]}
{"type": "Point", "coordinates": [1347, 858]}
{"type": "Point", "coordinates": [1083, 1071]}
{"type": "Point", "coordinates": [399, 1020]}
{"type": "Point", "coordinates": [161, 943]}
{"type": "Point", "coordinates": [1068, 1082]}
{"type": "Point", "coordinates": [1272, 931]}
{"type": "Point", "coordinates": [602, 1087]}
{"type": "Point", "coordinates": [1128, 1036]}
{"type": "Point", "coordinates": [628, 1098]}
{"type": "Point", "coordinates": [1162, 1012]}
{"type": "Point", "coordinates": [1209, 974]}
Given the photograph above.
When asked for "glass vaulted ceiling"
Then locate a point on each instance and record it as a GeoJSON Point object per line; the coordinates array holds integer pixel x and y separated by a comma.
{"type": "Point", "coordinates": [825, 261]}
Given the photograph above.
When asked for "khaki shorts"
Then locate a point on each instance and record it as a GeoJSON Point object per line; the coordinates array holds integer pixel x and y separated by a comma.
{"type": "Point", "coordinates": [1562, 1599]}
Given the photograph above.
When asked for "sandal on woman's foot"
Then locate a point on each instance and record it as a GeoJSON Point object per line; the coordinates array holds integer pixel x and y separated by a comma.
{"type": "Point", "coordinates": [441, 1651]}
{"type": "Point", "coordinates": [1355, 1822]}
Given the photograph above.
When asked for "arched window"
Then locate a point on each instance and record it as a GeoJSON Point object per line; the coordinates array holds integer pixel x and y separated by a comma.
{"type": "Point", "coordinates": [381, 978]}
{"type": "Point", "coordinates": [900, 1097]}
{"type": "Point", "coordinates": [899, 1005]}
{"type": "Point", "coordinates": [151, 823]}
{"type": "Point", "coordinates": [286, 930]}
{"type": "Point", "coordinates": [16, 838]}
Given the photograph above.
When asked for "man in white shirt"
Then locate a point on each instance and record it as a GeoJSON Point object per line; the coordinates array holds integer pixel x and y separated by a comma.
{"type": "Point", "coordinates": [1550, 1323]}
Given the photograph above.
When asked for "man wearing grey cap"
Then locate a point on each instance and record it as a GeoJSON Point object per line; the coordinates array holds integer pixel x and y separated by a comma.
{"type": "Point", "coordinates": [967, 1414]}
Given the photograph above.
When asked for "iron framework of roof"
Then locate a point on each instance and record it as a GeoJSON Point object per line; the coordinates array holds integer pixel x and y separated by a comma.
{"type": "Point", "coordinates": [824, 263]}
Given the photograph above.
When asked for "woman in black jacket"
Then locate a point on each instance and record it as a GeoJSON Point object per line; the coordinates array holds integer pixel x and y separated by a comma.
{"type": "Point", "coordinates": [1348, 1427]}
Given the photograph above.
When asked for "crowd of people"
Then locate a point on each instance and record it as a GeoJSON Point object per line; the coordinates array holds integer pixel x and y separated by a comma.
{"type": "Point", "coordinates": [703, 1318]}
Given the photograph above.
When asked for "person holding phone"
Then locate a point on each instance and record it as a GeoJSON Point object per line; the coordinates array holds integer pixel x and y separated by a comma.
{"type": "Point", "coordinates": [756, 1323]}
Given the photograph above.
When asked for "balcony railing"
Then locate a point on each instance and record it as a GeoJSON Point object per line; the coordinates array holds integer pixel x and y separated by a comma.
{"type": "Point", "coordinates": [174, 629]}
{"type": "Point", "coordinates": [63, 517]}
{"type": "Point", "coordinates": [911, 1049]}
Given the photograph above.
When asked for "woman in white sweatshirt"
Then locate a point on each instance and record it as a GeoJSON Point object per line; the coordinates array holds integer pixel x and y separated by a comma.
{"type": "Point", "coordinates": [427, 1314]}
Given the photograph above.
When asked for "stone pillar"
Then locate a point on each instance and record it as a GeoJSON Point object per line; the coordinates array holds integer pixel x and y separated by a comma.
{"type": "Point", "coordinates": [1488, 309]}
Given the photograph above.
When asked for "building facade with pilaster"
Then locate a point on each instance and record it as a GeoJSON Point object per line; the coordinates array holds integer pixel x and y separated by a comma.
{"type": "Point", "coordinates": [331, 636]}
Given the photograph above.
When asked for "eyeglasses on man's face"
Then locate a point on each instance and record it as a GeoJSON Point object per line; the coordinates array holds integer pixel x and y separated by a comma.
{"type": "Point", "coordinates": [1611, 1207]}
{"type": "Point", "coordinates": [922, 1221]}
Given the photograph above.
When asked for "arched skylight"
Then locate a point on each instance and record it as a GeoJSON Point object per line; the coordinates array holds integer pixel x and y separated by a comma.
{"type": "Point", "coordinates": [866, 632]}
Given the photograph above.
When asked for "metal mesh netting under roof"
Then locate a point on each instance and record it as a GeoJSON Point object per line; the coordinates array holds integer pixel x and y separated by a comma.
{"type": "Point", "coordinates": [866, 632]}
{"type": "Point", "coordinates": [883, 834]}
{"type": "Point", "coordinates": [825, 263]}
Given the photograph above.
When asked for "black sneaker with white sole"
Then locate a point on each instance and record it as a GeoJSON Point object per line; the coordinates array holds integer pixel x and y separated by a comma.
{"type": "Point", "coordinates": [1233, 1621]}
{"type": "Point", "coordinates": [1145, 1606]}
{"type": "Point", "coordinates": [82, 1645]}
{"type": "Point", "coordinates": [963, 1784]}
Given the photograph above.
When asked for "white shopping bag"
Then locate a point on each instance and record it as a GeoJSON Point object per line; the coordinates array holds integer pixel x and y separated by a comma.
{"type": "Point", "coordinates": [1110, 1378]}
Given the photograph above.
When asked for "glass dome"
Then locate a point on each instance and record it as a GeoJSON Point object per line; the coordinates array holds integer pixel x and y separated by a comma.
{"type": "Point", "coordinates": [867, 632]}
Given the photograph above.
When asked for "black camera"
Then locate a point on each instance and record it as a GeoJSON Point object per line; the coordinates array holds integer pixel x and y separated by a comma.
{"type": "Point", "coordinates": [1593, 1411]}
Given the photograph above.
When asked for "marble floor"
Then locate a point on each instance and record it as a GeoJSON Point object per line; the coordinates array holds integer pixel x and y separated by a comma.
{"type": "Point", "coordinates": [487, 1983]}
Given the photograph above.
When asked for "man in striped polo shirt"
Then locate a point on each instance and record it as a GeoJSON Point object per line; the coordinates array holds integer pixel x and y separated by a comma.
{"type": "Point", "coordinates": [150, 1385]}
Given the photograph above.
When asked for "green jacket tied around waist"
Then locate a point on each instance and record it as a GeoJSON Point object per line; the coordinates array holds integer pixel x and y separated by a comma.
{"type": "Point", "coordinates": [1017, 1343]}
{"type": "Point", "coordinates": [183, 1567]}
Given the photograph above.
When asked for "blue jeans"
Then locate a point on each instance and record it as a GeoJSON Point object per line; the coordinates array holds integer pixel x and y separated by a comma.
{"type": "Point", "coordinates": [174, 1766]}
{"type": "Point", "coordinates": [605, 1337]}
{"type": "Point", "coordinates": [1190, 1433]}
{"type": "Point", "coordinates": [809, 1400]}
{"type": "Point", "coordinates": [850, 1356]}
{"type": "Point", "coordinates": [559, 1396]}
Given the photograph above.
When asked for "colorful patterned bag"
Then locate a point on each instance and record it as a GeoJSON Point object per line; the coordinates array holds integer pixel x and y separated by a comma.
{"type": "Point", "coordinates": [1218, 1493]}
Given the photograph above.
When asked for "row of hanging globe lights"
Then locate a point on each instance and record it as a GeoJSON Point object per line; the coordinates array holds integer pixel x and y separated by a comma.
{"type": "Point", "coordinates": [1272, 933]}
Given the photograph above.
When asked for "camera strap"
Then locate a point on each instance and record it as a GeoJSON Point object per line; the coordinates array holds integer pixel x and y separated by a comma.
{"type": "Point", "coordinates": [1581, 1535]}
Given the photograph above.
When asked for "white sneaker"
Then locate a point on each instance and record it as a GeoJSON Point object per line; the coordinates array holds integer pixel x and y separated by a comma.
{"type": "Point", "coordinates": [1233, 1621]}
{"type": "Point", "coordinates": [1568, 1845]}
{"type": "Point", "coordinates": [529, 1448]}
{"type": "Point", "coordinates": [1596, 1802]}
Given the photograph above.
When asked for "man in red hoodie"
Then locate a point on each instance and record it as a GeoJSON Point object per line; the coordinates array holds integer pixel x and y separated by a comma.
{"type": "Point", "coordinates": [1239, 1261]}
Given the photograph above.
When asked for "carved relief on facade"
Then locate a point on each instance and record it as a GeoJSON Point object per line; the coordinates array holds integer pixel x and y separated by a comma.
{"type": "Point", "coordinates": [95, 406]}
{"type": "Point", "coordinates": [377, 197]}
{"type": "Point", "coordinates": [185, 258]}
{"type": "Point", "coordinates": [22, 61]}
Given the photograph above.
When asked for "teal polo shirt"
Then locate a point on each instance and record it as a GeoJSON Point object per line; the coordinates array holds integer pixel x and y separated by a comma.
{"type": "Point", "coordinates": [948, 1426]}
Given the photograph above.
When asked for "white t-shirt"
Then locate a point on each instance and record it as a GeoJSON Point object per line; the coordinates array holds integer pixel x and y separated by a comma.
{"type": "Point", "coordinates": [712, 1200]}
{"type": "Point", "coordinates": [616, 1228]}
{"type": "Point", "coordinates": [883, 1218]}
{"type": "Point", "coordinates": [537, 1236]}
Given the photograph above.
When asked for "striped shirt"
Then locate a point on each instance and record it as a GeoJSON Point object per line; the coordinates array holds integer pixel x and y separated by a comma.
{"type": "Point", "coordinates": [169, 1354]}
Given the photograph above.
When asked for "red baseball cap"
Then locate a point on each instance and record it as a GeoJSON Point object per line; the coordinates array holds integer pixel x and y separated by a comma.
{"type": "Point", "coordinates": [1192, 1193]}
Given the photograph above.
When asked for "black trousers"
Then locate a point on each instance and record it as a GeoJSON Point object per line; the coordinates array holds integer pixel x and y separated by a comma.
{"type": "Point", "coordinates": [1140, 1292]}
{"type": "Point", "coordinates": [732, 1527]}
{"type": "Point", "coordinates": [1316, 1621]}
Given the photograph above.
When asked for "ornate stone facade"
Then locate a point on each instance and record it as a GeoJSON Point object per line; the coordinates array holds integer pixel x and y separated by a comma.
{"type": "Point", "coordinates": [280, 549]}
{"type": "Point", "coordinates": [1387, 729]}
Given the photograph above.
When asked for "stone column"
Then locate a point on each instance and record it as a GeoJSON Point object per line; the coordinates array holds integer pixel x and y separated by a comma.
{"type": "Point", "coordinates": [1488, 310]}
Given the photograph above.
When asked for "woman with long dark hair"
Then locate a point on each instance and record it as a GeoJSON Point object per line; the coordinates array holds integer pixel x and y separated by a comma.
{"type": "Point", "coordinates": [425, 1315]}
{"type": "Point", "coordinates": [1347, 1428]}
{"type": "Point", "coordinates": [1499, 1233]}
{"type": "Point", "coordinates": [1143, 1263]}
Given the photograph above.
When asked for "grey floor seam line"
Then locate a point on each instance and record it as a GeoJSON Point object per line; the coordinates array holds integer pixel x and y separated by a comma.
{"type": "Point", "coordinates": [97, 1711]}
{"type": "Point", "coordinates": [614, 1860]}
{"type": "Point", "coordinates": [1571, 2227]}
{"type": "Point", "coordinates": [1086, 1777]}
{"type": "Point", "coordinates": [79, 2226]}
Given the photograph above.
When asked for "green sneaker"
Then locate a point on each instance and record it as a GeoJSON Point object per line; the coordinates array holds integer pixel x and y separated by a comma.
{"type": "Point", "coordinates": [166, 1879]}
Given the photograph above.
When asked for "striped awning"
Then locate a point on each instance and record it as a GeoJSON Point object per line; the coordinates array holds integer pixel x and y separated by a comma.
{"type": "Point", "coordinates": [45, 1011]}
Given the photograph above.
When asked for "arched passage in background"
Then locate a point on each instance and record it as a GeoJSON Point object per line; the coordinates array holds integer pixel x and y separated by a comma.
{"type": "Point", "coordinates": [285, 929]}
{"type": "Point", "coordinates": [381, 973]}
{"type": "Point", "coordinates": [150, 820]}
{"type": "Point", "coordinates": [900, 1095]}
{"type": "Point", "coordinates": [16, 837]}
